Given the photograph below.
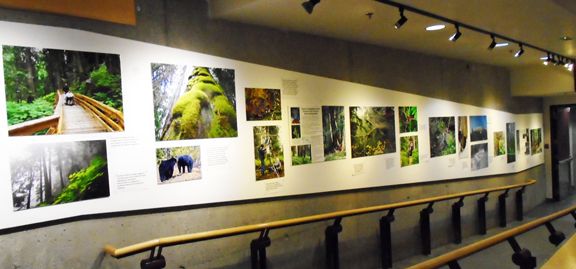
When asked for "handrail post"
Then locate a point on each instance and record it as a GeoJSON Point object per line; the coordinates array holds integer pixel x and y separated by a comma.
{"type": "Point", "coordinates": [482, 213]}
{"type": "Point", "coordinates": [258, 250]}
{"type": "Point", "coordinates": [556, 237]}
{"type": "Point", "coordinates": [502, 208]}
{"type": "Point", "coordinates": [520, 204]}
{"type": "Point", "coordinates": [521, 257]}
{"type": "Point", "coordinates": [454, 265]}
{"type": "Point", "coordinates": [425, 233]}
{"type": "Point", "coordinates": [332, 252]}
{"type": "Point", "coordinates": [457, 220]}
{"type": "Point", "coordinates": [386, 238]}
{"type": "Point", "coordinates": [574, 216]}
{"type": "Point", "coordinates": [155, 261]}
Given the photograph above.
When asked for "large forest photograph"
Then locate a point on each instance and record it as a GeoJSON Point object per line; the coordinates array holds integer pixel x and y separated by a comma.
{"type": "Point", "coordinates": [193, 102]}
{"type": "Point", "coordinates": [333, 132]}
{"type": "Point", "coordinates": [269, 161]}
{"type": "Point", "coordinates": [37, 80]}
{"type": "Point", "coordinates": [373, 131]}
{"type": "Point", "coordinates": [51, 174]}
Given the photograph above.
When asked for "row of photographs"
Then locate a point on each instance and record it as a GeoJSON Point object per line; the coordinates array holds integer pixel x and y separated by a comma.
{"type": "Point", "coordinates": [189, 102]}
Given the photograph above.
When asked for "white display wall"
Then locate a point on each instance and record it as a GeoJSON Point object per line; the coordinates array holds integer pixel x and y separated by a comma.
{"type": "Point", "coordinates": [227, 164]}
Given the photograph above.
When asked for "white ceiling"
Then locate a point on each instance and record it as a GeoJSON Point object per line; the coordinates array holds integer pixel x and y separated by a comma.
{"type": "Point", "coordinates": [538, 22]}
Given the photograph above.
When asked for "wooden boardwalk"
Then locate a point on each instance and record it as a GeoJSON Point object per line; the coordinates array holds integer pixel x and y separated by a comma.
{"type": "Point", "coordinates": [77, 120]}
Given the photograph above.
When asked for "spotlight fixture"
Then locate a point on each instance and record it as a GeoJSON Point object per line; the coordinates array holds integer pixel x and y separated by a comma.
{"type": "Point", "coordinates": [520, 51]}
{"type": "Point", "coordinates": [547, 59]}
{"type": "Point", "coordinates": [502, 44]}
{"type": "Point", "coordinates": [402, 19]}
{"type": "Point", "coordinates": [309, 5]}
{"type": "Point", "coordinates": [456, 35]}
{"type": "Point", "coordinates": [493, 44]}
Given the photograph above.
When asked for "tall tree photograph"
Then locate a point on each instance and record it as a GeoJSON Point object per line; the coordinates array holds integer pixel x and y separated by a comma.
{"type": "Point", "coordinates": [48, 86]}
{"type": "Point", "coordinates": [51, 174]}
{"type": "Point", "coordinates": [373, 131]}
{"type": "Point", "coordinates": [511, 142]}
{"type": "Point", "coordinates": [333, 132]}
{"type": "Point", "coordinates": [269, 153]}
{"type": "Point", "coordinates": [193, 102]}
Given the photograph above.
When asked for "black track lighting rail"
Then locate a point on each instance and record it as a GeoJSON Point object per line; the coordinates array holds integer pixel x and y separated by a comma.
{"type": "Point", "coordinates": [471, 27]}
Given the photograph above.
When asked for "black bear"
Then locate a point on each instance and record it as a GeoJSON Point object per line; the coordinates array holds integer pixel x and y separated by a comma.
{"type": "Point", "coordinates": [166, 169]}
{"type": "Point", "coordinates": [185, 161]}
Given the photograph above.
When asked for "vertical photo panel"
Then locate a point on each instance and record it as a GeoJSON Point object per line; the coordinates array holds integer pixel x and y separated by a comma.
{"type": "Point", "coordinates": [193, 102]}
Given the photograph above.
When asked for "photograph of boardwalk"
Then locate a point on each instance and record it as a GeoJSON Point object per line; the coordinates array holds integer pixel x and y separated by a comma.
{"type": "Point", "coordinates": [51, 91]}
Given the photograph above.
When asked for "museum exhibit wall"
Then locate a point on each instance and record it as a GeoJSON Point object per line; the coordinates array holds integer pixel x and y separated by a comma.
{"type": "Point", "coordinates": [228, 168]}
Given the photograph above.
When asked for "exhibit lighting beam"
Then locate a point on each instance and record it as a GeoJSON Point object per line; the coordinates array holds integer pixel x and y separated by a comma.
{"type": "Point", "coordinates": [412, 9]}
{"type": "Point", "coordinates": [309, 5]}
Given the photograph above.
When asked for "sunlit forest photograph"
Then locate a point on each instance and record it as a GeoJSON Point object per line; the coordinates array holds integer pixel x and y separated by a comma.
{"type": "Point", "coordinates": [499, 144]}
{"type": "Point", "coordinates": [178, 164]}
{"type": "Point", "coordinates": [301, 154]}
{"type": "Point", "coordinates": [263, 104]}
{"type": "Point", "coordinates": [536, 141]}
{"type": "Point", "coordinates": [269, 161]}
{"type": "Point", "coordinates": [193, 102]}
{"type": "Point", "coordinates": [408, 117]}
{"type": "Point", "coordinates": [511, 142]}
{"type": "Point", "coordinates": [51, 174]}
{"type": "Point", "coordinates": [409, 150]}
{"type": "Point", "coordinates": [462, 136]}
{"type": "Point", "coordinates": [479, 156]}
{"type": "Point", "coordinates": [442, 138]}
{"type": "Point", "coordinates": [372, 131]}
{"type": "Point", "coordinates": [36, 78]}
{"type": "Point", "coordinates": [296, 131]}
{"type": "Point", "coordinates": [478, 128]}
{"type": "Point", "coordinates": [333, 132]}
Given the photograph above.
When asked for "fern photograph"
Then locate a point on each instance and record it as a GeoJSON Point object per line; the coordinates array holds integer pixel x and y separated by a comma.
{"type": "Point", "coordinates": [51, 174]}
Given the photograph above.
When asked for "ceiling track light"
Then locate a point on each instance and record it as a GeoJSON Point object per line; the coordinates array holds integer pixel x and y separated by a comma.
{"type": "Point", "coordinates": [402, 19]}
{"type": "Point", "coordinates": [456, 35]}
{"type": "Point", "coordinates": [493, 44]}
{"type": "Point", "coordinates": [520, 51]}
{"type": "Point", "coordinates": [402, 7]}
{"type": "Point", "coordinates": [309, 5]}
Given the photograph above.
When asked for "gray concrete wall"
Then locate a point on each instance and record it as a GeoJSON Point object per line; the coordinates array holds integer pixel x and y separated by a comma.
{"type": "Point", "coordinates": [185, 24]}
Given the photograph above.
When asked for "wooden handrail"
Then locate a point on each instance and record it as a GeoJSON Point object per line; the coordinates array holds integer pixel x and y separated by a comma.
{"type": "Point", "coordinates": [111, 118]}
{"type": "Point", "coordinates": [32, 126]}
{"type": "Point", "coordinates": [201, 236]}
{"type": "Point", "coordinates": [488, 242]}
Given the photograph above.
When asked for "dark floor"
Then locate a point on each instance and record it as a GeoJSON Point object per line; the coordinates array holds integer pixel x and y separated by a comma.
{"type": "Point", "coordinates": [499, 256]}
